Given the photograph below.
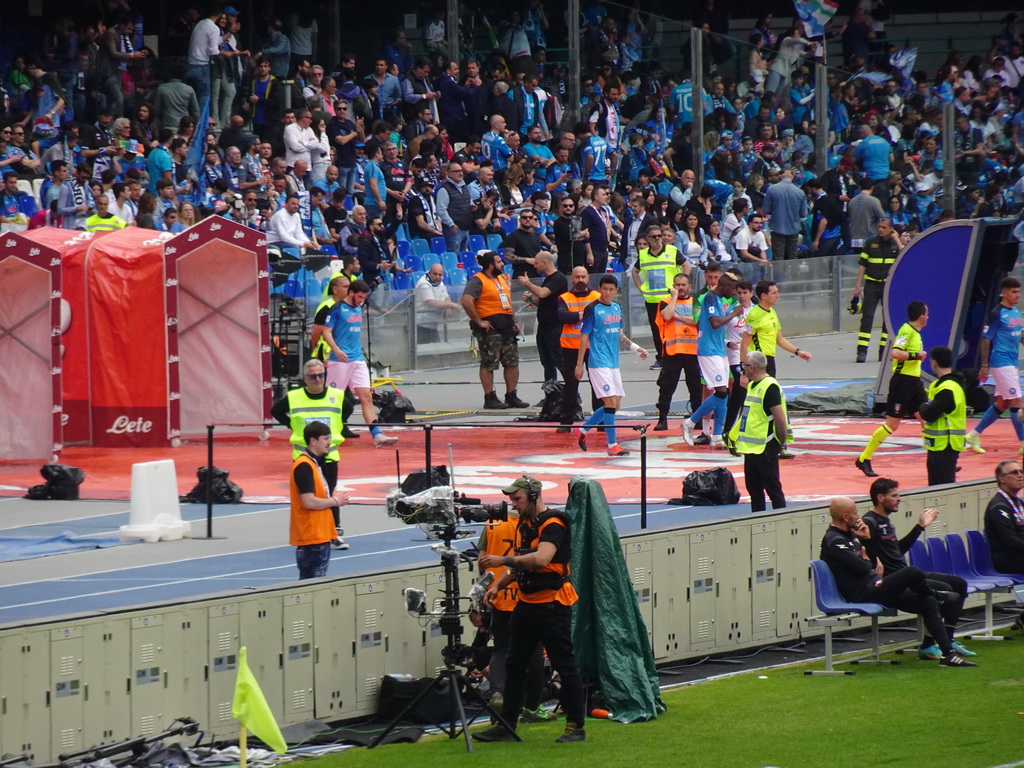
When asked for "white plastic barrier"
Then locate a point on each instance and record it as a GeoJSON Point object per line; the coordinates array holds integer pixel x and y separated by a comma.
{"type": "Point", "coordinates": [155, 512]}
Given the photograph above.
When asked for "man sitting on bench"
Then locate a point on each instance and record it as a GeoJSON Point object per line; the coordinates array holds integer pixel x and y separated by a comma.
{"type": "Point", "coordinates": [860, 582]}
{"type": "Point", "coordinates": [884, 547]}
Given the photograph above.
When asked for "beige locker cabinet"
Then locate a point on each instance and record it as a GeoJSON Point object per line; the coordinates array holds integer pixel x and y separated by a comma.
{"type": "Point", "coordinates": [671, 567]}
{"type": "Point", "coordinates": [67, 693]}
{"type": "Point", "coordinates": [107, 682]}
{"type": "Point", "coordinates": [334, 636]}
{"type": "Point", "coordinates": [763, 574]}
{"type": "Point", "coordinates": [222, 665]}
{"type": "Point", "coordinates": [25, 695]}
{"type": "Point", "coordinates": [298, 657]}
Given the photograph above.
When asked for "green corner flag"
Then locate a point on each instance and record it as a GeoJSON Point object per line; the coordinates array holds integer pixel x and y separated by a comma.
{"type": "Point", "coordinates": [250, 708]}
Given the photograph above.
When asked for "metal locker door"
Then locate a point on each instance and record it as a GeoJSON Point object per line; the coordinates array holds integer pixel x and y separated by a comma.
{"type": "Point", "coordinates": [148, 669]}
{"type": "Point", "coordinates": [186, 630]}
{"type": "Point", "coordinates": [334, 635]}
{"type": "Point", "coordinates": [107, 681]}
{"type": "Point", "coordinates": [794, 551]}
{"type": "Point", "coordinates": [298, 657]}
{"type": "Point", "coordinates": [66, 690]}
{"type": "Point", "coordinates": [222, 667]}
{"type": "Point", "coordinates": [639, 562]}
{"type": "Point", "coordinates": [404, 643]}
{"type": "Point", "coordinates": [260, 631]}
{"type": "Point", "coordinates": [732, 586]}
{"type": "Point", "coordinates": [25, 695]}
{"type": "Point", "coordinates": [701, 590]}
{"type": "Point", "coordinates": [371, 653]}
{"type": "Point", "coordinates": [670, 563]}
{"type": "Point", "coordinates": [763, 580]}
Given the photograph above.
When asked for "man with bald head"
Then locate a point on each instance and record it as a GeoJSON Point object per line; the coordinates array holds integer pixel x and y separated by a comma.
{"type": "Point", "coordinates": [546, 296]}
{"type": "Point", "coordinates": [570, 314]}
{"type": "Point", "coordinates": [859, 581]}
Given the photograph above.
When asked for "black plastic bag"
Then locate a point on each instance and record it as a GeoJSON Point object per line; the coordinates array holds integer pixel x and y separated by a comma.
{"type": "Point", "coordinates": [62, 483]}
{"type": "Point", "coordinates": [223, 490]}
{"type": "Point", "coordinates": [709, 487]}
{"type": "Point", "coordinates": [551, 405]}
{"type": "Point", "coordinates": [392, 406]}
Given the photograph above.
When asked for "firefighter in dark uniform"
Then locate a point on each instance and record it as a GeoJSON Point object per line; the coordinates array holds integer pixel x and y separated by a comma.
{"type": "Point", "coordinates": [544, 611]}
{"type": "Point", "coordinates": [872, 271]}
{"type": "Point", "coordinates": [859, 581]}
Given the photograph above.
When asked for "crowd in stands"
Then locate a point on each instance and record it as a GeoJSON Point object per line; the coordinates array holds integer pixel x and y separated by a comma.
{"type": "Point", "coordinates": [356, 157]}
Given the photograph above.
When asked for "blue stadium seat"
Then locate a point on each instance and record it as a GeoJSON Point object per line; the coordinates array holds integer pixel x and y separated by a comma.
{"type": "Point", "coordinates": [941, 562]}
{"type": "Point", "coordinates": [981, 558]}
{"type": "Point", "coordinates": [837, 611]}
{"type": "Point", "coordinates": [437, 245]}
{"type": "Point", "coordinates": [510, 225]}
{"type": "Point", "coordinates": [471, 266]}
{"type": "Point", "coordinates": [415, 261]}
{"type": "Point", "coordinates": [420, 246]}
{"type": "Point", "coordinates": [349, 203]}
{"type": "Point", "coordinates": [964, 568]}
{"type": "Point", "coordinates": [430, 260]}
{"type": "Point", "coordinates": [402, 281]}
{"type": "Point", "coordinates": [402, 232]}
{"type": "Point", "coordinates": [919, 557]}
{"type": "Point", "coordinates": [28, 205]}
{"type": "Point", "coordinates": [458, 276]}
{"type": "Point", "coordinates": [404, 249]}
{"type": "Point", "coordinates": [476, 243]}
{"type": "Point", "coordinates": [450, 262]}
{"type": "Point", "coordinates": [494, 242]}
{"type": "Point", "coordinates": [664, 187]}
{"type": "Point", "coordinates": [293, 289]}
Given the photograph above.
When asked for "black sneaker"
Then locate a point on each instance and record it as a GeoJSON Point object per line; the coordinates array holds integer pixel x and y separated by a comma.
{"type": "Point", "coordinates": [495, 733]}
{"type": "Point", "coordinates": [865, 467]}
{"type": "Point", "coordinates": [512, 401]}
{"type": "Point", "coordinates": [784, 454]}
{"type": "Point", "coordinates": [954, 659]}
{"type": "Point", "coordinates": [348, 434]}
{"type": "Point", "coordinates": [574, 733]}
{"type": "Point", "coordinates": [492, 403]}
{"type": "Point", "coordinates": [656, 366]}
{"type": "Point", "coordinates": [946, 597]}
{"type": "Point", "coordinates": [564, 428]}
{"type": "Point", "coordinates": [702, 439]}
{"type": "Point", "coordinates": [661, 426]}
{"type": "Point", "coordinates": [862, 354]}
{"type": "Point", "coordinates": [339, 543]}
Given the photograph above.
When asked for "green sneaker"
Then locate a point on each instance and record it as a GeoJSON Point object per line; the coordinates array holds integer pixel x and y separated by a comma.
{"type": "Point", "coordinates": [961, 650]}
{"type": "Point", "coordinates": [538, 715]}
{"type": "Point", "coordinates": [974, 443]}
{"type": "Point", "coordinates": [932, 653]}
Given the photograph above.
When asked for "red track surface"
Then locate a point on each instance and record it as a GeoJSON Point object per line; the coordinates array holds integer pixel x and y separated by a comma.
{"type": "Point", "coordinates": [490, 456]}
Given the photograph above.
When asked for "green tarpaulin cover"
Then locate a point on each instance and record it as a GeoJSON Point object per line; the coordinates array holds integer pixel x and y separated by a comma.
{"type": "Point", "coordinates": [608, 634]}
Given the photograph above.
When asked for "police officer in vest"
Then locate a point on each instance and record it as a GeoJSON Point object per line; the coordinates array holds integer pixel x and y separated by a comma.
{"type": "Point", "coordinates": [487, 299]}
{"type": "Point", "coordinates": [873, 267]}
{"type": "Point", "coordinates": [945, 416]}
{"type": "Point", "coordinates": [337, 290]}
{"type": "Point", "coordinates": [760, 432]}
{"type": "Point", "coordinates": [544, 611]}
{"type": "Point", "coordinates": [655, 268]}
{"type": "Point", "coordinates": [679, 354]}
{"type": "Point", "coordinates": [570, 313]}
{"type": "Point", "coordinates": [311, 526]}
{"type": "Point", "coordinates": [315, 401]}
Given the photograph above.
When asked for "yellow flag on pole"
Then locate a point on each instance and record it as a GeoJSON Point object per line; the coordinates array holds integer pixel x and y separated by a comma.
{"type": "Point", "coordinates": [251, 709]}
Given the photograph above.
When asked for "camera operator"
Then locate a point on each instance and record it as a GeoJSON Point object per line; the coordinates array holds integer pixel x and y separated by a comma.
{"type": "Point", "coordinates": [499, 540]}
{"type": "Point", "coordinates": [544, 611]}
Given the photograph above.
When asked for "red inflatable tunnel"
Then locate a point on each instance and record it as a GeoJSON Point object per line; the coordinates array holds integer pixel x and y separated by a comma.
{"type": "Point", "coordinates": [30, 371]}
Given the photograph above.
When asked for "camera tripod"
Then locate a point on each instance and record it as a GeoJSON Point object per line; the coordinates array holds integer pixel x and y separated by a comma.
{"type": "Point", "coordinates": [454, 651]}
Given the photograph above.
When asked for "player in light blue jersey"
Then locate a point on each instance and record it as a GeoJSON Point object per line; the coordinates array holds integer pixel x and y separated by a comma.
{"type": "Point", "coordinates": [602, 334]}
{"type": "Point", "coordinates": [346, 366]}
{"type": "Point", "coordinates": [712, 357]}
{"type": "Point", "coordinates": [1000, 351]}
{"type": "Point", "coordinates": [493, 145]}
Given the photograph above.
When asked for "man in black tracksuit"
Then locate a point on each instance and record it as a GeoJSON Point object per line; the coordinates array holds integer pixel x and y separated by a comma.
{"type": "Point", "coordinates": [886, 548]}
{"type": "Point", "coordinates": [860, 582]}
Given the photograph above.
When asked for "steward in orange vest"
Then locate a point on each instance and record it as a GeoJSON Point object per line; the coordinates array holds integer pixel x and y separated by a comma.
{"type": "Point", "coordinates": [570, 312]}
{"type": "Point", "coordinates": [679, 349]}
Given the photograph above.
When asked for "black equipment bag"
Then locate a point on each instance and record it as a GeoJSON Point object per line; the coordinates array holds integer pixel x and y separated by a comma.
{"type": "Point", "coordinates": [223, 490]}
{"type": "Point", "coordinates": [709, 487]}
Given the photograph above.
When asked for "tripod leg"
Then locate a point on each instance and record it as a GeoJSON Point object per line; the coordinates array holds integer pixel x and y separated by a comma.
{"type": "Point", "coordinates": [455, 693]}
{"type": "Point", "coordinates": [434, 684]}
{"type": "Point", "coordinates": [486, 705]}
